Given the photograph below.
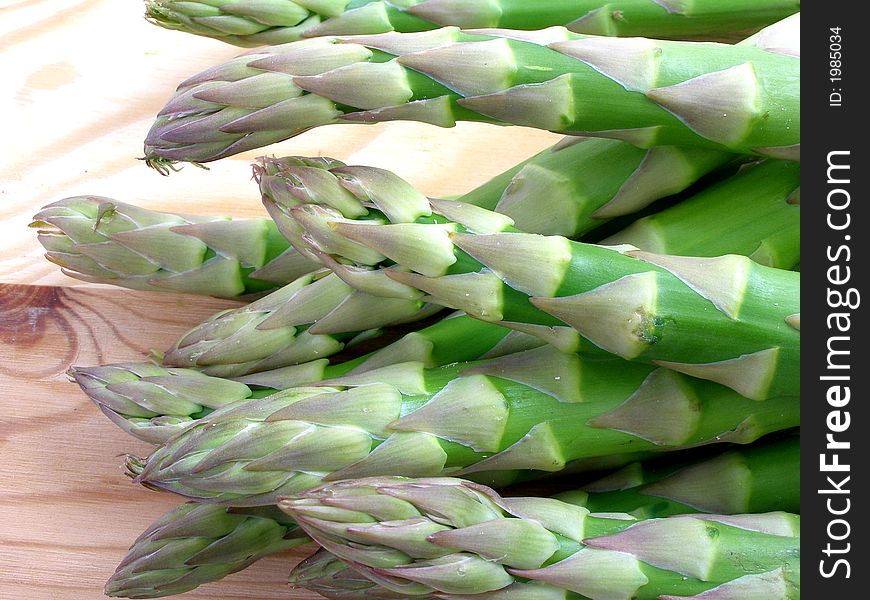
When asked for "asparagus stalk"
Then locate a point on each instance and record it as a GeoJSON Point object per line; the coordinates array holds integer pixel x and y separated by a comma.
{"type": "Point", "coordinates": [759, 478]}
{"type": "Point", "coordinates": [552, 193]}
{"type": "Point", "coordinates": [654, 308]}
{"type": "Point", "coordinates": [756, 479]}
{"type": "Point", "coordinates": [328, 576]}
{"type": "Point", "coordinates": [194, 544]}
{"type": "Point", "coordinates": [756, 213]}
{"type": "Point", "coordinates": [313, 317]}
{"type": "Point", "coordinates": [463, 540]}
{"type": "Point", "coordinates": [536, 410]}
{"type": "Point", "coordinates": [742, 98]}
{"type": "Point", "coordinates": [635, 304]}
{"type": "Point", "coordinates": [105, 241]}
{"type": "Point", "coordinates": [266, 22]}
{"type": "Point", "coordinates": [153, 403]}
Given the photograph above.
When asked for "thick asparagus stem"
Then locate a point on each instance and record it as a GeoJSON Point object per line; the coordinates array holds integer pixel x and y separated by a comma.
{"type": "Point", "coordinates": [756, 479]}
{"type": "Point", "coordinates": [635, 304]}
{"type": "Point", "coordinates": [762, 477]}
{"type": "Point", "coordinates": [537, 410]}
{"type": "Point", "coordinates": [655, 308]}
{"type": "Point", "coordinates": [195, 544]}
{"type": "Point", "coordinates": [105, 241]}
{"type": "Point", "coordinates": [742, 98]}
{"type": "Point", "coordinates": [463, 540]}
{"type": "Point", "coordinates": [267, 22]}
{"type": "Point", "coordinates": [756, 213]}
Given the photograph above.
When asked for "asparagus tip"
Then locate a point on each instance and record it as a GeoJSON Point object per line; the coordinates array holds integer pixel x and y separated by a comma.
{"type": "Point", "coordinates": [134, 468]}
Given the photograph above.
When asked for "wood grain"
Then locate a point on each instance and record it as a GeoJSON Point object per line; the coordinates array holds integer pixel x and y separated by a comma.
{"type": "Point", "coordinates": [82, 81]}
{"type": "Point", "coordinates": [67, 509]}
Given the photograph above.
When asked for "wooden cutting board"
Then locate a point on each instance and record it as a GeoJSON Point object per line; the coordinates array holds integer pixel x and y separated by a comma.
{"type": "Point", "coordinates": [82, 82]}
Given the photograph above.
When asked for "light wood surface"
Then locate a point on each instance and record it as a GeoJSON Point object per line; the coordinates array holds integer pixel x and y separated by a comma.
{"type": "Point", "coordinates": [82, 81]}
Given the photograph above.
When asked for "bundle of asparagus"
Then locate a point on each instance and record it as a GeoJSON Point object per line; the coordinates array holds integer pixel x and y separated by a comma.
{"type": "Point", "coordinates": [629, 308]}
{"type": "Point", "coordinates": [539, 410]}
{"type": "Point", "coordinates": [546, 194]}
{"type": "Point", "coordinates": [196, 543]}
{"type": "Point", "coordinates": [713, 218]}
{"type": "Point", "coordinates": [629, 302]}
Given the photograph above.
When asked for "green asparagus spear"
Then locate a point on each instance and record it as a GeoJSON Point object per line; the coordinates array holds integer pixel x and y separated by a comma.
{"type": "Point", "coordinates": [198, 543]}
{"type": "Point", "coordinates": [352, 191]}
{"type": "Point", "coordinates": [655, 308]}
{"type": "Point", "coordinates": [742, 98]}
{"type": "Point", "coordinates": [328, 576]}
{"type": "Point", "coordinates": [568, 189]}
{"type": "Point", "coordinates": [105, 241]}
{"type": "Point", "coordinates": [756, 213]}
{"type": "Point", "coordinates": [314, 317]}
{"type": "Point", "coordinates": [266, 22]}
{"type": "Point", "coordinates": [153, 403]}
{"type": "Point", "coordinates": [537, 410]}
{"type": "Point", "coordinates": [759, 478]}
{"type": "Point", "coordinates": [636, 304]}
{"type": "Point", "coordinates": [463, 540]}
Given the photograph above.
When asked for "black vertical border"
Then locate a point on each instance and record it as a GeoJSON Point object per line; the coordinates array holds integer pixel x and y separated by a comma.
{"type": "Point", "coordinates": [830, 129]}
